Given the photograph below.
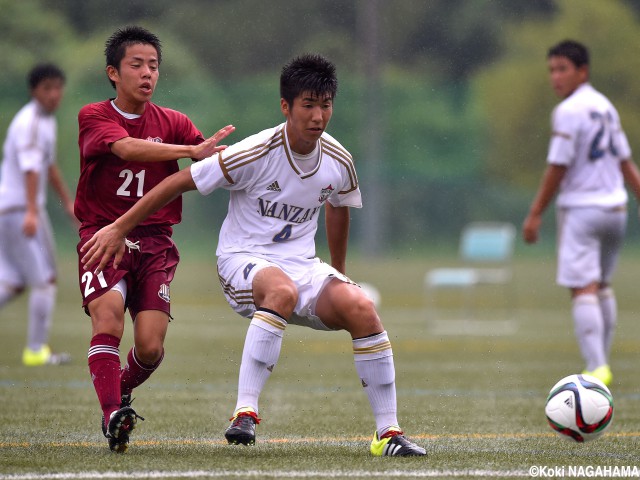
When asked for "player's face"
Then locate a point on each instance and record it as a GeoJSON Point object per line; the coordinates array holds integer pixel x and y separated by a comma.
{"type": "Point", "coordinates": [307, 118]}
{"type": "Point", "coordinates": [136, 78]}
{"type": "Point", "coordinates": [565, 76]}
{"type": "Point", "coordinates": [49, 93]}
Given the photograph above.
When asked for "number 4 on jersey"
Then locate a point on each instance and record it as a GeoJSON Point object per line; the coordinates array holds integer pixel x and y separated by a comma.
{"type": "Point", "coordinates": [284, 234]}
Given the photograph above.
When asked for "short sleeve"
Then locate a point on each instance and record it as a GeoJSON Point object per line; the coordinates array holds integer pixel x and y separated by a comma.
{"type": "Point", "coordinates": [98, 131]}
{"type": "Point", "coordinates": [350, 199]}
{"type": "Point", "coordinates": [207, 175]}
{"type": "Point", "coordinates": [562, 146]}
{"type": "Point", "coordinates": [30, 151]}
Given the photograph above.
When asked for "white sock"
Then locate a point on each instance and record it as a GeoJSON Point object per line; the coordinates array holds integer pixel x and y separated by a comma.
{"type": "Point", "coordinates": [6, 294]}
{"type": "Point", "coordinates": [41, 304]}
{"type": "Point", "coordinates": [260, 355]}
{"type": "Point", "coordinates": [609, 308]}
{"type": "Point", "coordinates": [374, 363]}
{"type": "Point", "coordinates": [589, 330]}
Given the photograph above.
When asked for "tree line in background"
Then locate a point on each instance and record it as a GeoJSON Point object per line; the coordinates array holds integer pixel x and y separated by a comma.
{"type": "Point", "coordinates": [462, 95]}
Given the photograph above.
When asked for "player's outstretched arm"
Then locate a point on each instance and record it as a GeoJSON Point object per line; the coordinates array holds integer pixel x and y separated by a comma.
{"type": "Point", "coordinates": [210, 145]}
{"type": "Point", "coordinates": [109, 241]}
{"type": "Point", "coordinates": [138, 150]}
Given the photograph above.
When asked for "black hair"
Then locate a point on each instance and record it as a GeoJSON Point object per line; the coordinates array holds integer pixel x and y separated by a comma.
{"type": "Point", "coordinates": [308, 73]}
{"type": "Point", "coordinates": [576, 52]}
{"type": "Point", "coordinates": [43, 71]}
{"type": "Point", "coordinates": [116, 45]}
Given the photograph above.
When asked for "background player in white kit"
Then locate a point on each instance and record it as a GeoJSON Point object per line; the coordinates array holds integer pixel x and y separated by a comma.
{"type": "Point", "coordinates": [26, 242]}
{"type": "Point", "coordinates": [279, 179]}
{"type": "Point", "coordinates": [589, 160]}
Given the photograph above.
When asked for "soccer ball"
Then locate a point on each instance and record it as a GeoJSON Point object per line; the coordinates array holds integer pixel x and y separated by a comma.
{"type": "Point", "coordinates": [579, 408]}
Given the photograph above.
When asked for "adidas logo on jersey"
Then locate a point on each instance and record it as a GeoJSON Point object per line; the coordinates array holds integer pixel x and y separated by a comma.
{"type": "Point", "coordinates": [274, 187]}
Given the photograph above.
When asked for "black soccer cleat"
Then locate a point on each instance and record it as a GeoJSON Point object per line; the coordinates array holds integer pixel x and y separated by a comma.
{"type": "Point", "coordinates": [395, 445]}
{"type": "Point", "coordinates": [121, 424]}
{"type": "Point", "coordinates": [126, 401]}
{"type": "Point", "coordinates": [242, 429]}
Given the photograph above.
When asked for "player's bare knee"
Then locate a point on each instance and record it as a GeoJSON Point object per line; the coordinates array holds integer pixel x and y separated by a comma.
{"type": "Point", "coordinates": [282, 298]}
{"type": "Point", "coordinates": [106, 320]}
{"type": "Point", "coordinates": [11, 290]}
{"type": "Point", "coordinates": [363, 307]}
{"type": "Point", "coordinates": [361, 317]}
{"type": "Point", "coordinates": [150, 352]}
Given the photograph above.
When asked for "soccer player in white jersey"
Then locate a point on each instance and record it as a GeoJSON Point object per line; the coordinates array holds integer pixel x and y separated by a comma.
{"type": "Point", "coordinates": [589, 161]}
{"type": "Point", "coordinates": [279, 179]}
{"type": "Point", "coordinates": [26, 240]}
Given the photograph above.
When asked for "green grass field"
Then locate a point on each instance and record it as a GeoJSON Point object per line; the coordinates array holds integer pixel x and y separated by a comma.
{"type": "Point", "coordinates": [473, 392]}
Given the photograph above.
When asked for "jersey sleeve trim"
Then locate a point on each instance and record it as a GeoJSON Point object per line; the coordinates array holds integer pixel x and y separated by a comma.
{"type": "Point", "coordinates": [561, 134]}
{"type": "Point", "coordinates": [33, 134]}
{"type": "Point", "coordinates": [244, 157]}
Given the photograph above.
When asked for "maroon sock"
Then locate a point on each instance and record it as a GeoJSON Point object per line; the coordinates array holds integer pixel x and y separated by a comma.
{"type": "Point", "coordinates": [104, 366]}
{"type": "Point", "coordinates": [135, 372]}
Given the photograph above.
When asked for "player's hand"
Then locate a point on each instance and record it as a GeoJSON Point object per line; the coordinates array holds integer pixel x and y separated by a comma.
{"type": "Point", "coordinates": [30, 224]}
{"type": "Point", "coordinates": [210, 145]}
{"type": "Point", "coordinates": [105, 243]}
{"type": "Point", "coordinates": [530, 228]}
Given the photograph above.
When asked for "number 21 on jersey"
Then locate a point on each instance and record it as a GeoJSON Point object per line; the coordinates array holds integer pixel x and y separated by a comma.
{"type": "Point", "coordinates": [129, 185]}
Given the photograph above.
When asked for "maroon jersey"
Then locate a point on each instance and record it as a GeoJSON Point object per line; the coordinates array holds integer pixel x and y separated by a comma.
{"type": "Point", "coordinates": [109, 186]}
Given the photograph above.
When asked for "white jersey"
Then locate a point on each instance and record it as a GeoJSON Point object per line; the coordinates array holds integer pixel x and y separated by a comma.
{"type": "Point", "coordinates": [588, 139]}
{"type": "Point", "coordinates": [30, 146]}
{"type": "Point", "coordinates": [273, 205]}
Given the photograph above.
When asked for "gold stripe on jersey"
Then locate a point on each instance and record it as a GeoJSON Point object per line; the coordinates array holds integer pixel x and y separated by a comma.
{"type": "Point", "coordinates": [245, 157]}
{"type": "Point", "coordinates": [241, 297]}
{"type": "Point", "coordinates": [224, 170]}
{"type": "Point", "coordinates": [269, 319]}
{"type": "Point", "coordinates": [345, 158]}
{"type": "Point", "coordinates": [379, 347]}
{"type": "Point", "coordinates": [33, 134]}
{"type": "Point", "coordinates": [561, 134]}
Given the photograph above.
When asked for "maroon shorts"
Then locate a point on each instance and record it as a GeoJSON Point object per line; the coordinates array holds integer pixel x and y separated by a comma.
{"type": "Point", "coordinates": [148, 266]}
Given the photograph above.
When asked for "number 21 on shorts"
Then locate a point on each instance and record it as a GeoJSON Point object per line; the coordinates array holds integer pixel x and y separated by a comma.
{"type": "Point", "coordinates": [87, 279]}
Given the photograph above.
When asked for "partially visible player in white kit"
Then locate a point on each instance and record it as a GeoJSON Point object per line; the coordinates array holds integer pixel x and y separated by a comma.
{"type": "Point", "coordinates": [26, 240]}
{"type": "Point", "coordinates": [589, 161]}
{"type": "Point", "coordinates": [279, 179]}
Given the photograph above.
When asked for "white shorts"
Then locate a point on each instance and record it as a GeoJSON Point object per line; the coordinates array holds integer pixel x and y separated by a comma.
{"type": "Point", "coordinates": [236, 273]}
{"type": "Point", "coordinates": [589, 243]}
{"type": "Point", "coordinates": [26, 261]}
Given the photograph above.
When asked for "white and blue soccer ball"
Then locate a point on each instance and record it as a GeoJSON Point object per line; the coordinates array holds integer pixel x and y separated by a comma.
{"type": "Point", "coordinates": [579, 408]}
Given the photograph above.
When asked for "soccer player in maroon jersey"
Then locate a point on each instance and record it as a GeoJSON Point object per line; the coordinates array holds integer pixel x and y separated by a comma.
{"type": "Point", "coordinates": [127, 146]}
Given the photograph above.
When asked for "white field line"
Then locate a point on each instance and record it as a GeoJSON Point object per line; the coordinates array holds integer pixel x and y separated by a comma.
{"type": "Point", "coordinates": [270, 474]}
